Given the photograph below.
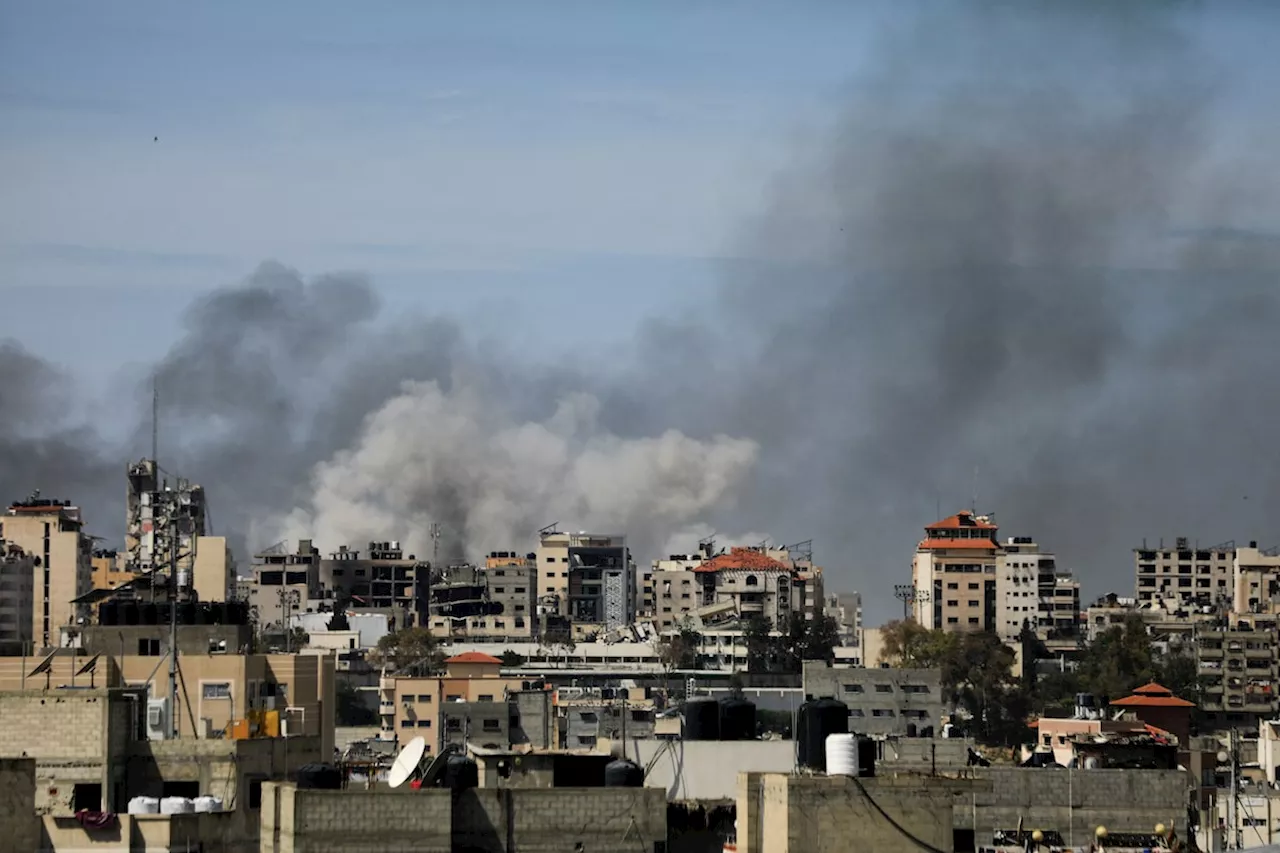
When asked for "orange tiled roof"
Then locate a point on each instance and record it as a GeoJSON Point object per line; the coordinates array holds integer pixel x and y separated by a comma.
{"type": "Point", "coordinates": [959, 520]}
{"type": "Point", "coordinates": [473, 657]}
{"type": "Point", "coordinates": [1153, 696]}
{"type": "Point", "coordinates": [931, 544]}
{"type": "Point", "coordinates": [741, 558]}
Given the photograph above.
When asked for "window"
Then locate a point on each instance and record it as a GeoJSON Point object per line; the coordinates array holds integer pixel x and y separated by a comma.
{"type": "Point", "coordinates": [86, 796]}
{"type": "Point", "coordinates": [973, 602]}
{"type": "Point", "coordinates": [453, 724]}
{"type": "Point", "coordinates": [406, 724]}
{"type": "Point", "coordinates": [973, 586]}
{"type": "Point", "coordinates": [500, 590]}
{"type": "Point", "coordinates": [148, 647]}
{"type": "Point", "coordinates": [882, 712]}
{"type": "Point", "coordinates": [486, 697]}
{"type": "Point", "coordinates": [953, 586]}
{"type": "Point", "coordinates": [953, 603]}
{"type": "Point", "coordinates": [491, 726]}
{"type": "Point", "coordinates": [219, 690]}
{"type": "Point", "coordinates": [853, 688]}
{"type": "Point", "coordinates": [424, 697]}
{"type": "Point", "coordinates": [424, 724]}
{"type": "Point", "coordinates": [588, 716]}
{"type": "Point", "coordinates": [586, 740]}
{"type": "Point", "coordinates": [884, 688]}
{"type": "Point", "coordinates": [751, 580]}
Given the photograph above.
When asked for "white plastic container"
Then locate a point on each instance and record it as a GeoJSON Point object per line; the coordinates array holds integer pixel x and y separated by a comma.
{"type": "Point", "coordinates": [144, 805]}
{"type": "Point", "coordinates": [176, 805]}
{"type": "Point", "coordinates": [842, 755]}
{"type": "Point", "coordinates": [208, 804]}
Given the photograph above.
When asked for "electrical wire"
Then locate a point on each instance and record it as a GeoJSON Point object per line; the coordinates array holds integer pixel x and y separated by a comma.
{"type": "Point", "coordinates": [923, 845]}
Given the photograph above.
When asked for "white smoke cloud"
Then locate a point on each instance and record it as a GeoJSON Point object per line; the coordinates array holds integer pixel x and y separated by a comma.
{"type": "Point", "coordinates": [459, 459]}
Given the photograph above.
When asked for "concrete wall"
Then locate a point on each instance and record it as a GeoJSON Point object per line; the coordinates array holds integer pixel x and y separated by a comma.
{"type": "Point", "coordinates": [19, 825]}
{"type": "Point", "coordinates": [494, 821]}
{"type": "Point", "coordinates": [224, 832]}
{"type": "Point", "coordinates": [832, 814]}
{"type": "Point", "coordinates": [882, 701]}
{"type": "Point", "coordinates": [1073, 802]}
{"type": "Point", "coordinates": [66, 731]}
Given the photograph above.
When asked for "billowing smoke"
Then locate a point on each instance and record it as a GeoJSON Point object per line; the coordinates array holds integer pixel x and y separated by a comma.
{"type": "Point", "coordinates": [1021, 265]}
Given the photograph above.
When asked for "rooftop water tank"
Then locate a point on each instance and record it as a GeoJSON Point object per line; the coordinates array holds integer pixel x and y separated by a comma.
{"type": "Point", "coordinates": [208, 804]}
{"type": "Point", "coordinates": [737, 719]}
{"type": "Point", "coordinates": [623, 774]}
{"type": "Point", "coordinates": [144, 805]}
{"type": "Point", "coordinates": [461, 773]}
{"type": "Point", "coordinates": [702, 719]}
{"type": "Point", "coordinates": [816, 721]}
{"type": "Point", "coordinates": [176, 805]}
{"type": "Point", "coordinates": [842, 755]}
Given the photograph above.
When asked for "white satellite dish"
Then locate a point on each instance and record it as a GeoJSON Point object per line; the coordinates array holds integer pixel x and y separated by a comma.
{"type": "Point", "coordinates": [406, 763]}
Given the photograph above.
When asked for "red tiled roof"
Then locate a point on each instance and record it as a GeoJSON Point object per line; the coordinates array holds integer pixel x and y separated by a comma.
{"type": "Point", "coordinates": [959, 520]}
{"type": "Point", "coordinates": [932, 544]}
{"type": "Point", "coordinates": [473, 657]}
{"type": "Point", "coordinates": [1153, 702]}
{"type": "Point", "coordinates": [741, 558]}
{"type": "Point", "coordinates": [1152, 689]}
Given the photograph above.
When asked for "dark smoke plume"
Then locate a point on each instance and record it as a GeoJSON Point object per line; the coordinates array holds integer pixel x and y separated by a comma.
{"type": "Point", "coordinates": [1024, 250]}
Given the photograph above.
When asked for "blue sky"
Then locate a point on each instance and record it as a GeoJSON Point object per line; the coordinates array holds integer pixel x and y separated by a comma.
{"type": "Point", "coordinates": [493, 161]}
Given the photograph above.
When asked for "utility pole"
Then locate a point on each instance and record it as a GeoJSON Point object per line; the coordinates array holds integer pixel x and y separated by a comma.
{"type": "Point", "coordinates": [1233, 840]}
{"type": "Point", "coordinates": [171, 508]}
{"type": "Point", "coordinates": [435, 544]}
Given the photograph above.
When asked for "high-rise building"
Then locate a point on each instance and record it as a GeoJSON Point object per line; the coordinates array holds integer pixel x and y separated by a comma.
{"type": "Point", "coordinates": [954, 574]}
{"type": "Point", "coordinates": [1185, 574]}
{"type": "Point", "coordinates": [587, 577]}
{"type": "Point", "coordinates": [734, 586]}
{"type": "Point", "coordinates": [1256, 575]}
{"type": "Point", "coordinates": [17, 574]}
{"type": "Point", "coordinates": [1033, 592]}
{"type": "Point", "coordinates": [846, 609]}
{"type": "Point", "coordinates": [51, 532]}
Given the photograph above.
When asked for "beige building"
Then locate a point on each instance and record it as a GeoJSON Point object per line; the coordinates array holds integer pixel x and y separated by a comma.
{"type": "Point", "coordinates": [954, 574]}
{"type": "Point", "coordinates": [17, 573]}
{"type": "Point", "coordinates": [846, 609]}
{"type": "Point", "coordinates": [213, 571]}
{"type": "Point", "coordinates": [109, 570]}
{"type": "Point", "coordinates": [1257, 579]}
{"type": "Point", "coordinates": [410, 707]}
{"type": "Point", "coordinates": [705, 590]}
{"type": "Point", "coordinates": [490, 603]}
{"type": "Point", "coordinates": [1191, 575]}
{"type": "Point", "coordinates": [588, 578]}
{"type": "Point", "coordinates": [52, 533]}
{"type": "Point", "coordinates": [214, 691]}
{"type": "Point", "coordinates": [1239, 670]}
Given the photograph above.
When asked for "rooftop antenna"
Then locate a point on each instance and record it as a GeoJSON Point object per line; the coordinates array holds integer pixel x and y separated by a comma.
{"type": "Point", "coordinates": [435, 543]}
{"type": "Point", "coordinates": [975, 490]}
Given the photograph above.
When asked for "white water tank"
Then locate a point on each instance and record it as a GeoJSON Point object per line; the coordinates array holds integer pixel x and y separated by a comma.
{"type": "Point", "coordinates": [208, 804]}
{"type": "Point", "coordinates": [842, 755]}
{"type": "Point", "coordinates": [144, 805]}
{"type": "Point", "coordinates": [176, 805]}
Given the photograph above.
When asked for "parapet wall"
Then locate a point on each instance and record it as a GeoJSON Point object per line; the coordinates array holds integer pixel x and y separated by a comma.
{"type": "Point", "coordinates": [492, 820]}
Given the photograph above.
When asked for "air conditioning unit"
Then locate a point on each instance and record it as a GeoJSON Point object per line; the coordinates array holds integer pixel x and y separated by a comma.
{"type": "Point", "coordinates": [158, 723]}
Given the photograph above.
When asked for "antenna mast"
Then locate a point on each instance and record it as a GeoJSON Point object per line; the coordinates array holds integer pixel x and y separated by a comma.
{"type": "Point", "coordinates": [435, 543]}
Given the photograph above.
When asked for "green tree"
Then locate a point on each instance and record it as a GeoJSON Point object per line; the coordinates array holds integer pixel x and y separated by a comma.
{"type": "Point", "coordinates": [979, 675]}
{"type": "Point", "coordinates": [680, 650]}
{"type": "Point", "coordinates": [810, 639]}
{"type": "Point", "coordinates": [409, 651]}
{"type": "Point", "coordinates": [512, 658]}
{"type": "Point", "coordinates": [1118, 660]}
{"type": "Point", "coordinates": [909, 644]}
{"type": "Point", "coordinates": [762, 646]}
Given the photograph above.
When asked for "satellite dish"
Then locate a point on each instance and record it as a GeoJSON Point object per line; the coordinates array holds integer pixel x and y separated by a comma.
{"type": "Point", "coordinates": [406, 763]}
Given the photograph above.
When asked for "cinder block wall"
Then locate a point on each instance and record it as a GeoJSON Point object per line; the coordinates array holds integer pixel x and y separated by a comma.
{"type": "Point", "coordinates": [349, 821]}
{"type": "Point", "coordinates": [19, 825]}
{"type": "Point", "coordinates": [830, 814]}
{"type": "Point", "coordinates": [539, 820]}
{"type": "Point", "coordinates": [1073, 802]}
{"type": "Point", "coordinates": [66, 732]}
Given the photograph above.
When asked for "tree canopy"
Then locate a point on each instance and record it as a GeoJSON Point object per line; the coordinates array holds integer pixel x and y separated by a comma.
{"type": "Point", "coordinates": [409, 651]}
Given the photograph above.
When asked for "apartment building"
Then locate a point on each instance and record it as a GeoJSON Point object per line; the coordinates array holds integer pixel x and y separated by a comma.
{"type": "Point", "coordinates": [587, 577]}
{"type": "Point", "coordinates": [1257, 579]}
{"type": "Point", "coordinates": [110, 570]}
{"type": "Point", "coordinates": [709, 589]}
{"type": "Point", "coordinates": [489, 603]}
{"type": "Point", "coordinates": [881, 700]}
{"type": "Point", "coordinates": [17, 576]}
{"type": "Point", "coordinates": [472, 687]}
{"type": "Point", "coordinates": [846, 609]}
{"type": "Point", "coordinates": [52, 533]}
{"type": "Point", "coordinates": [1239, 670]}
{"type": "Point", "coordinates": [954, 574]}
{"type": "Point", "coordinates": [1192, 575]}
{"type": "Point", "coordinates": [286, 583]}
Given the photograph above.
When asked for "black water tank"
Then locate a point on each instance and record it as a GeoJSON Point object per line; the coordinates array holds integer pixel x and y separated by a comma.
{"type": "Point", "coordinates": [702, 719]}
{"type": "Point", "coordinates": [868, 752]}
{"type": "Point", "coordinates": [149, 614]}
{"type": "Point", "coordinates": [109, 613]}
{"type": "Point", "coordinates": [129, 613]}
{"type": "Point", "coordinates": [324, 777]}
{"type": "Point", "coordinates": [623, 774]}
{"type": "Point", "coordinates": [817, 719]}
{"type": "Point", "coordinates": [460, 773]}
{"type": "Point", "coordinates": [737, 719]}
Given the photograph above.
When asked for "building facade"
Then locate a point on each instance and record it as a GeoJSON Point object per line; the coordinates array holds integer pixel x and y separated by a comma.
{"type": "Point", "coordinates": [954, 574]}
{"type": "Point", "coordinates": [1239, 671]}
{"type": "Point", "coordinates": [17, 598]}
{"type": "Point", "coordinates": [588, 578]}
{"type": "Point", "coordinates": [1190, 575]}
{"type": "Point", "coordinates": [881, 700]}
{"type": "Point", "coordinates": [1256, 576]}
{"type": "Point", "coordinates": [52, 533]}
